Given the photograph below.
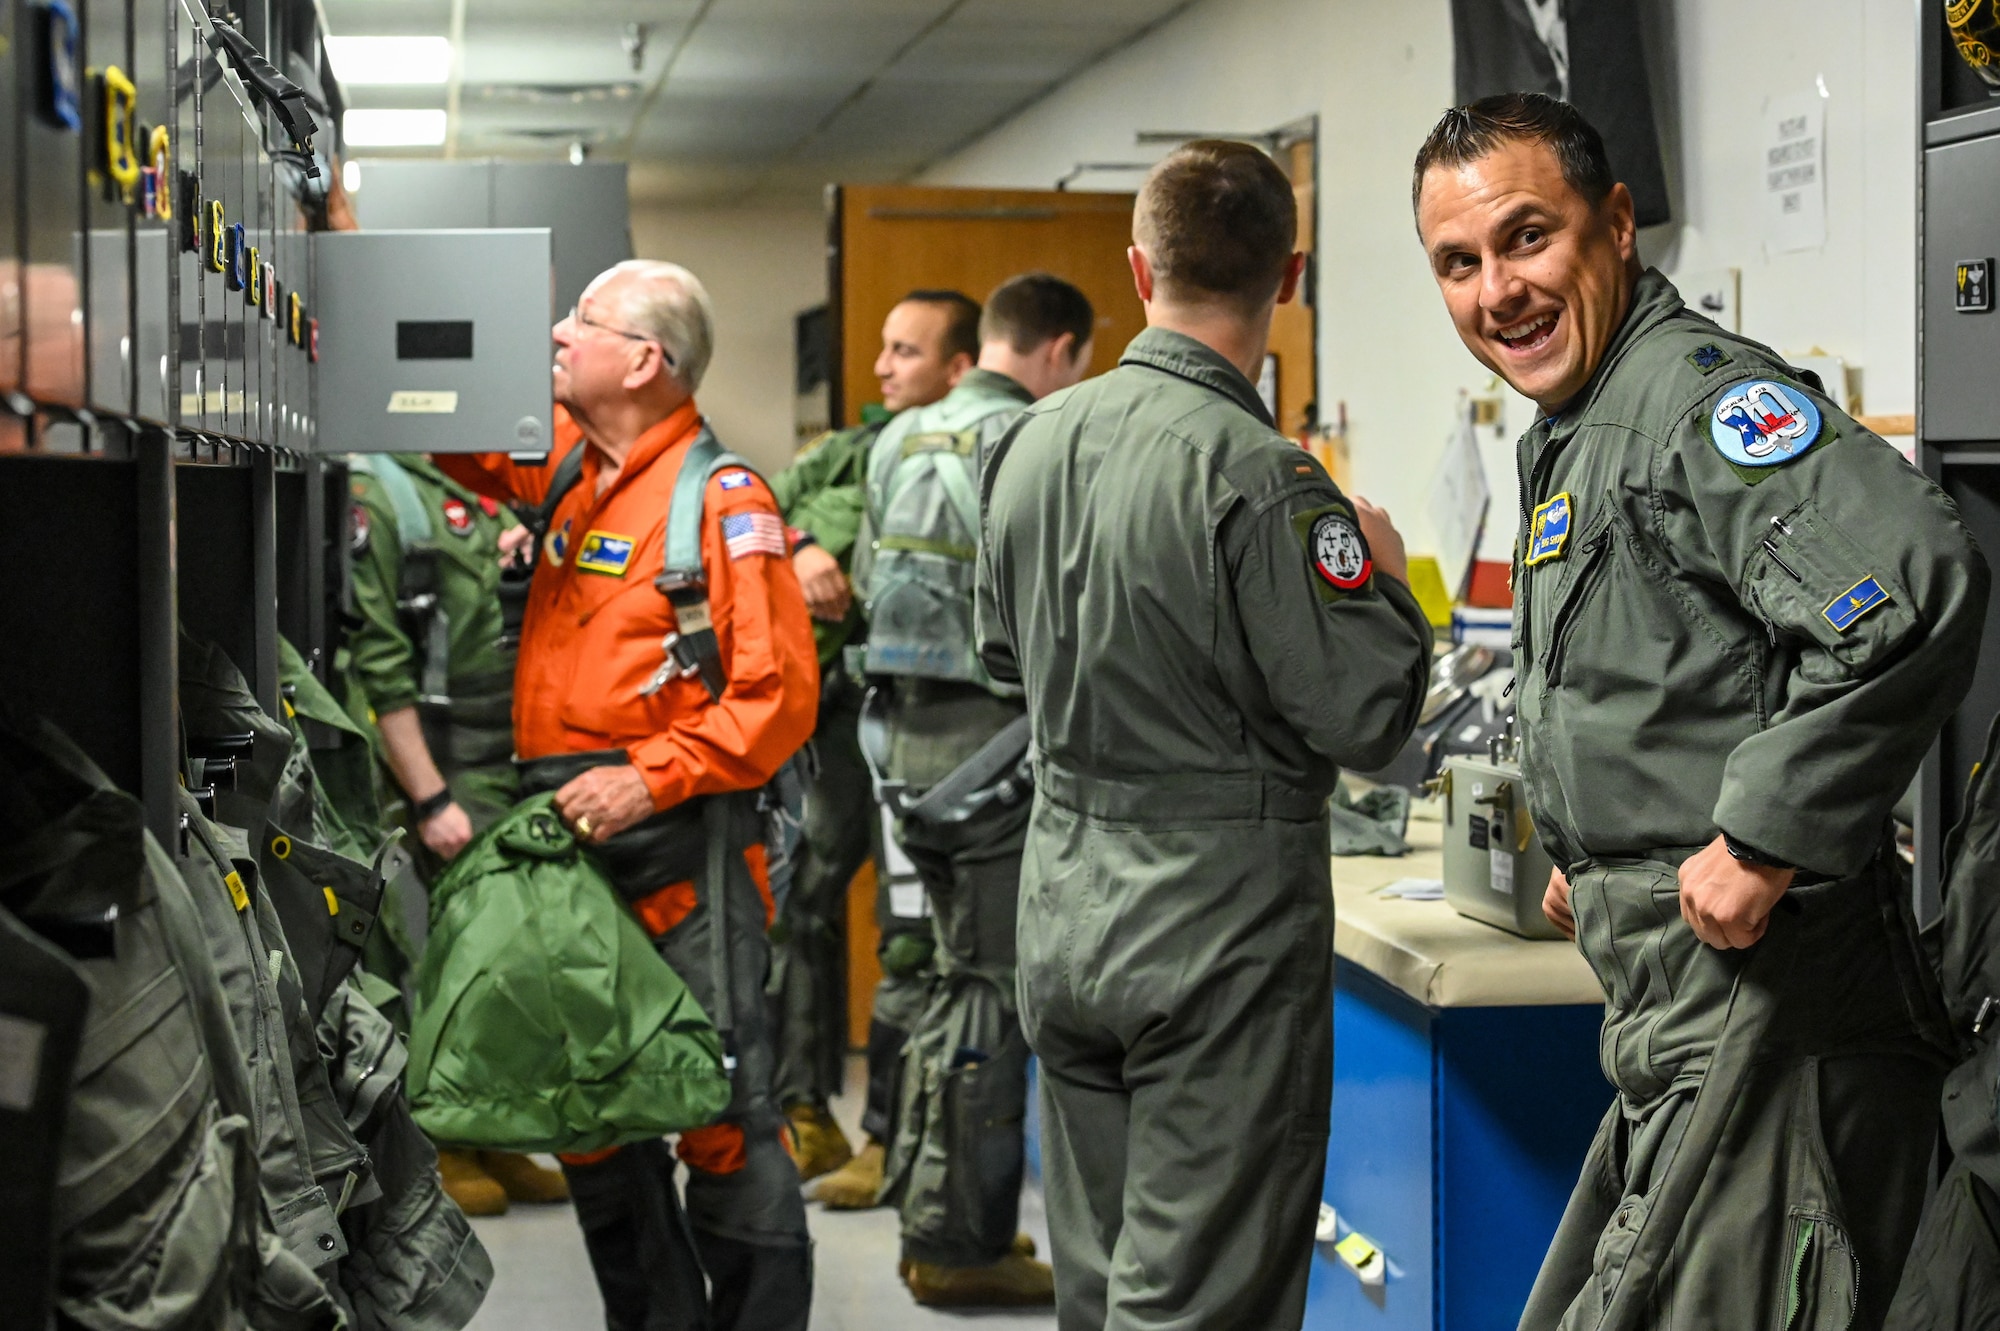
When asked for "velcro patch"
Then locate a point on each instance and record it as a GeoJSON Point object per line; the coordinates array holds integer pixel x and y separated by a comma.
{"type": "Point", "coordinates": [557, 544]}
{"type": "Point", "coordinates": [1709, 358]}
{"type": "Point", "coordinates": [1335, 547]}
{"type": "Point", "coordinates": [735, 480]}
{"type": "Point", "coordinates": [1762, 423]}
{"type": "Point", "coordinates": [1548, 530]}
{"type": "Point", "coordinates": [754, 534]}
{"type": "Point", "coordinates": [1848, 607]}
{"type": "Point", "coordinates": [357, 540]}
{"type": "Point", "coordinates": [604, 552]}
{"type": "Point", "coordinates": [457, 515]}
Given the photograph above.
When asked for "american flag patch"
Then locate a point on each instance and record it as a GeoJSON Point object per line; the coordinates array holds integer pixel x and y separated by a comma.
{"type": "Point", "coordinates": [754, 534]}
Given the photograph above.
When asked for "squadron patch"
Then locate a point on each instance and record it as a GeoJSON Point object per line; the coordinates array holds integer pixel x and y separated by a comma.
{"type": "Point", "coordinates": [557, 544]}
{"type": "Point", "coordinates": [1708, 358]}
{"type": "Point", "coordinates": [357, 536]}
{"type": "Point", "coordinates": [1759, 423]}
{"type": "Point", "coordinates": [1848, 607]}
{"type": "Point", "coordinates": [1548, 530]}
{"type": "Point", "coordinates": [1339, 552]}
{"type": "Point", "coordinates": [735, 480]}
{"type": "Point", "coordinates": [457, 515]}
{"type": "Point", "coordinates": [604, 552]}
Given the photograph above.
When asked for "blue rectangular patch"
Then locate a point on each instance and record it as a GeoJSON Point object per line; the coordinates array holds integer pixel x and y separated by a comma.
{"type": "Point", "coordinates": [735, 480]}
{"type": "Point", "coordinates": [1853, 603]}
{"type": "Point", "coordinates": [604, 552]}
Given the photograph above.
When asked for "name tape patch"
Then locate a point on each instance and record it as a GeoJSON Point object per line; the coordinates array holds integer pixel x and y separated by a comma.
{"type": "Point", "coordinates": [1759, 423]}
{"type": "Point", "coordinates": [1548, 529]}
{"type": "Point", "coordinates": [1848, 607]}
{"type": "Point", "coordinates": [604, 552]}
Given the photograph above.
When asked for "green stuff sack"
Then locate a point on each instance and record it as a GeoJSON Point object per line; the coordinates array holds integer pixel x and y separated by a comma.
{"type": "Point", "coordinates": [545, 1020]}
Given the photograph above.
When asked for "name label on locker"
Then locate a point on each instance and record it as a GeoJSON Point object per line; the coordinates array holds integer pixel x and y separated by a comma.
{"type": "Point", "coordinates": [409, 401]}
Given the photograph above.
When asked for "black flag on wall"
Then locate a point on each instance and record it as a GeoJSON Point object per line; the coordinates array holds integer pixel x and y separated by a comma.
{"type": "Point", "coordinates": [1586, 52]}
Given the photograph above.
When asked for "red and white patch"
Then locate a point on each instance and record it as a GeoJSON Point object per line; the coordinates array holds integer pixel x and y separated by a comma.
{"type": "Point", "coordinates": [357, 537]}
{"type": "Point", "coordinates": [489, 506]}
{"type": "Point", "coordinates": [457, 515]}
{"type": "Point", "coordinates": [1339, 553]}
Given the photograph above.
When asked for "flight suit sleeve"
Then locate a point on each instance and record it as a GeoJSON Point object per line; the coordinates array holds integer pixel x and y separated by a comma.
{"type": "Point", "coordinates": [381, 657]}
{"type": "Point", "coordinates": [993, 635]}
{"type": "Point", "coordinates": [771, 701]}
{"type": "Point", "coordinates": [1872, 595]}
{"type": "Point", "coordinates": [1344, 651]}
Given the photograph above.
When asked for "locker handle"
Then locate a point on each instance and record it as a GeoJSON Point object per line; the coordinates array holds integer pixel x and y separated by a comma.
{"type": "Point", "coordinates": [160, 154]}
{"type": "Point", "coordinates": [121, 149]}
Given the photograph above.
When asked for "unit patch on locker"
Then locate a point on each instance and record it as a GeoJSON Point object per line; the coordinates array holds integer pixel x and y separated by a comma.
{"type": "Point", "coordinates": [457, 515]}
{"type": "Point", "coordinates": [604, 552]}
{"type": "Point", "coordinates": [1760, 423]}
{"type": "Point", "coordinates": [1548, 530]}
{"type": "Point", "coordinates": [1848, 607]}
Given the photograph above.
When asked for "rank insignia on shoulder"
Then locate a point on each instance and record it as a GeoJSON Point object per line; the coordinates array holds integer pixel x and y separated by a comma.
{"type": "Point", "coordinates": [1760, 423]}
{"type": "Point", "coordinates": [1852, 604]}
{"type": "Point", "coordinates": [604, 552]}
{"type": "Point", "coordinates": [735, 480]}
{"type": "Point", "coordinates": [457, 515]}
{"type": "Point", "coordinates": [1548, 530]}
{"type": "Point", "coordinates": [1339, 551]}
{"type": "Point", "coordinates": [557, 545]}
{"type": "Point", "coordinates": [1708, 358]}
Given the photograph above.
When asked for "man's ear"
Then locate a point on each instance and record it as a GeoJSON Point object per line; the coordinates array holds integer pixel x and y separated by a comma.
{"type": "Point", "coordinates": [1295, 268]}
{"type": "Point", "coordinates": [1142, 273]}
{"type": "Point", "coordinates": [956, 367]}
{"type": "Point", "coordinates": [651, 366]}
{"type": "Point", "coordinates": [1621, 214]}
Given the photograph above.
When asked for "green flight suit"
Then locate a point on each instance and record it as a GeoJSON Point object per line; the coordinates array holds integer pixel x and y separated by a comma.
{"type": "Point", "coordinates": [1737, 611]}
{"type": "Point", "coordinates": [466, 699]}
{"type": "Point", "coordinates": [1191, 607]}
{"type": "Point", "coordinates": [821, 493]}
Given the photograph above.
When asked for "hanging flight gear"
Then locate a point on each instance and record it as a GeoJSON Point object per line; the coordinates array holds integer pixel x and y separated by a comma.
{"type": "Point", "coordinates": [1000, 772]}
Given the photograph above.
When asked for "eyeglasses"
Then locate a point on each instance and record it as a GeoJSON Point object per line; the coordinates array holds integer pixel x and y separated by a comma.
{"type": "Point", "coordinates": [577, 317]}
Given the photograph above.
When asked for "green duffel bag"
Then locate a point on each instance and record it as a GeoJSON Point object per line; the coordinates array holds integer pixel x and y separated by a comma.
{"type": "Point", "coordinates": [545, 1020]}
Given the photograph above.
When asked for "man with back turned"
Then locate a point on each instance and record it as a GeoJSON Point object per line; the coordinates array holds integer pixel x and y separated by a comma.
{"type": "Point", "coordinates": [1740, 620]}
{"type": "Point", "coordinates": [1206, 629]}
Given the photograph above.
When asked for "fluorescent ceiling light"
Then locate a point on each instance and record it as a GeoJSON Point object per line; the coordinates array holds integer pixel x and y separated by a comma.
{"type": "Point", "coordinates": [393, 129]}
{"type": "Point", "coordinates": [350, 177]}
{"type": "Point", "coordinates": [361, 60]}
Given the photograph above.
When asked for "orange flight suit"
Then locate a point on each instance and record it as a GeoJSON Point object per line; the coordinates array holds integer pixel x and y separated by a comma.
{"type": "Point", "coordinates": [591, 641]}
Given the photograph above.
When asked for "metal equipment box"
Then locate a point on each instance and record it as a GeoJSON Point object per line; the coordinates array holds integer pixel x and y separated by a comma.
{"type": "Point", "coordinates": [433, 341]}
{"type": "Point", "coordinates": [1495, 870]}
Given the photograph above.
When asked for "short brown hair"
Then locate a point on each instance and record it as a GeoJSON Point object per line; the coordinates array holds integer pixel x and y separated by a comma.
{"type": "Point", "coordinates": [1036, 308]}
{"type": "Point", "coordinates": [961, 318]}
{"type": "Point", "coordinates": [1467, 133]}
{"type": "Point", "coordinates": [1217, 218]}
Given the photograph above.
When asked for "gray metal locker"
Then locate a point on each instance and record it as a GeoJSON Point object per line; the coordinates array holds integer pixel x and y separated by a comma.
{"type": "Point", "coordinates": [52, 159]}
{"type": "Point", "coordinates": [113, 174]}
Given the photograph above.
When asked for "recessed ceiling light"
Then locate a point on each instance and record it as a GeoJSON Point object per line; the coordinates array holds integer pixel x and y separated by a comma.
{"type": "Point", "coordinates": [393, 129]}
{"type": "Point", "coordinates": [350, 177]}
{"type": "Point", "coordinates": [362, 60]}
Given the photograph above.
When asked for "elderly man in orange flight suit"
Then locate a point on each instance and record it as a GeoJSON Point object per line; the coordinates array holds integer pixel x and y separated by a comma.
{"type": "Point", "coordinates": [635, 748]}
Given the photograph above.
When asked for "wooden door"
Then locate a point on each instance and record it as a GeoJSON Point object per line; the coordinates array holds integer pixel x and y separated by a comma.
{"type": "Point", "coordinates": [887, 240]}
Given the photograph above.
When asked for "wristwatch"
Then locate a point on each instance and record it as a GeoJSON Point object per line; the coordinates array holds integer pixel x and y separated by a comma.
{"type": "Point", "coordinates": [1749, 854]}
{"type": "Point", "coordinates": [427, 809]}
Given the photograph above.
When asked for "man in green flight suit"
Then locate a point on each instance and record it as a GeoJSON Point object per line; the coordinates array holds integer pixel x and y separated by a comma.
{"type": "Point", "coordinates": [1741, 619]}
{"type": "Point", "coordinates": [948, 746]}
{"type": "Point", "coordinates": [929, 340]}
{"type": "Point", "coordinates": [1207, 630]}
{"type": "Point", "coordinates": [434, 659]}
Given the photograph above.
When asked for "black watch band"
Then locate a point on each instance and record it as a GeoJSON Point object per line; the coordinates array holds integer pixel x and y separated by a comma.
{"type": "Point", "coordinates": [428, 809]}
{"type": "Point", "coordinates": [1749, 854]}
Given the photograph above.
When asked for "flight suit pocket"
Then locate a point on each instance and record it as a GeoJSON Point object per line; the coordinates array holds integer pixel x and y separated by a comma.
{"type": "Point", "coordinates": [1592, 559]}
{"type": "Point", "coordinates": [1825, 1286]}
{"type": "Point", "coordinates": [1807, 578]}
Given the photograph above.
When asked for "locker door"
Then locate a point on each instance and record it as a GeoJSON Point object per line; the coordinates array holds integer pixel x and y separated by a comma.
{"type": "Point", "coordinates": [111, 168]}
{"type": "Point", "coordinates": [192, 239]}
{"type": "Point", "coordinates": [156, 217]}
{"type": "Point", "coordinates": [13, 47]}
{"type": "Point", "coordinates": [52, 176]}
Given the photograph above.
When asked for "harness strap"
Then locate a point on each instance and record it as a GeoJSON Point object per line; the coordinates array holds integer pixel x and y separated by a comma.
{"type": "Point", "coordinates": [1000, 770]}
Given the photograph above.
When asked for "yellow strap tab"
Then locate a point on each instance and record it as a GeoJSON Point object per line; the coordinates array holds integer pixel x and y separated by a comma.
{"type": "Point", "coordinates": [237, 893]}
{"type": "Point", "coordinates": [1356, 1251]}
{"type": "Point", "coordinates": [332, 901]}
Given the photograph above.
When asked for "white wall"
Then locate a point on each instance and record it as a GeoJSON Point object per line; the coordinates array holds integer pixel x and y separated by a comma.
{"type": "Point", "coordinates": [1378, 75]}
{"type": "Point", "coordinates": [762, 266]}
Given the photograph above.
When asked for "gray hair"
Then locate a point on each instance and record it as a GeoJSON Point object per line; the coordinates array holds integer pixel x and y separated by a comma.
{"type": "Point", "coordinates": [668, 302]}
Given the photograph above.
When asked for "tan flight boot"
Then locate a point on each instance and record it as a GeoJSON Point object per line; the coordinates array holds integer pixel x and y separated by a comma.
{"type": "Point", "coordinates": [856, 1185]}
{"type": "Point", "coordinates": [523, 1179]}
{"type": "Point", "coordinates": [1015, 1281]}
{"type": "Point", "coordinates": [818, 1145]}
{"type": "Point", "coordinates": [1024, 1244]}
{"type": "Point", "coordinates": [475, 1191]}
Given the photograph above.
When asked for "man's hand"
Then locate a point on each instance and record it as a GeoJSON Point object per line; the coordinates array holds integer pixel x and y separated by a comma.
{"type": "Point", "coordinates": [604, 801]}
{"type": "Point", "coordinates": [512, 542]}
{"type": "Point", "coordinates": [1555, 905]}
{"type": "Point", "coordinates": [1726, 901]}
{"type": "Point", "coordinates": [446, 832]}
{"type": "Point", "coordinates": [827, 594]}
{"type": "Point", "coordinates": [1385, 543]}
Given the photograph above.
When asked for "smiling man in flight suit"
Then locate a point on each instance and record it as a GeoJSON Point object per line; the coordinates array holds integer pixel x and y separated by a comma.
{"type": "Point", "coordinates": [1207, 629]}
{"type": "Point", "coordinates": [638, 744]}
{"type": "Point", "coordinates": [1740, 620]}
